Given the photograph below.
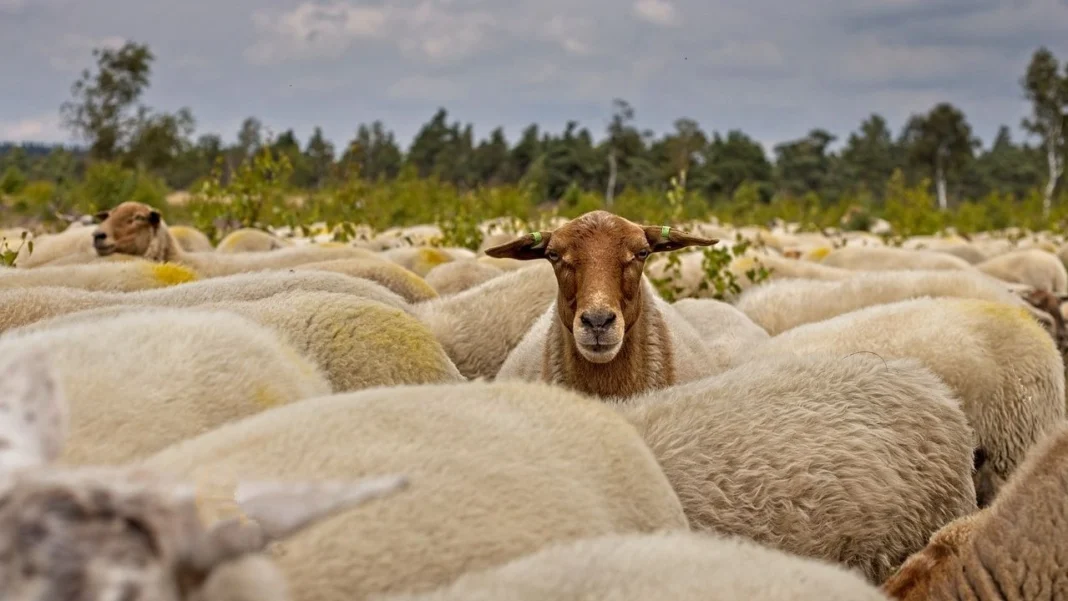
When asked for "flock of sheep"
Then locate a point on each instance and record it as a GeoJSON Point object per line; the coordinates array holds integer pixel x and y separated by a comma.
{"type": "Point", "coordinates": [286, 418]}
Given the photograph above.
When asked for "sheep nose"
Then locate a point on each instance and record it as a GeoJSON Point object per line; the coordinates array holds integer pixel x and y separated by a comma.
{"type": "Point", "coordinates": [598, 319]}
{"type": "Point", "coordinates": [99, 236]}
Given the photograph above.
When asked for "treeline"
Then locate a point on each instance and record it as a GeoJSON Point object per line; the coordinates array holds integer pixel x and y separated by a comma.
{"type": "Point", "coordinates": [937, 149]}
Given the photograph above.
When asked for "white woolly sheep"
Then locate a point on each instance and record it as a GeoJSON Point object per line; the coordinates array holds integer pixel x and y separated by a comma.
{"type": "Point", "coordinates": [608, 333]}
{"type": "Point", "coordinates": [456, 276]}
{"type": "Point", "coordinates": [841, 458]}
{"type": "Point", "coordinates": [358, 343]}
{"type": "Point", "coordinates": [498, 470]}
{"type": "Point", "coordinates": [189, 238]}
{"type": "Point", "coordinates": [409, 286]}
{"type": "Point", "coordinates": [121, 533]}
{"type": "Point", "coordinates": [888, 258]}
{"type": "Point", "coordinates": [1014, 549]}
{"type": "Point", "coordinates": [142, 381]}
{"type": "Point", "coordinates": [480, 326]}
{"type": "Point", "coordinates": [1036, 268]}
{"type": "Point", "coordinates": [675, 566]}
{"type": "Point", "coordinates": [133, 228]}
{"type": "Point", "coordinates": [723, 328]}
{"type": "Point", "coordinates": [968, 252]}
{"type": "Point", "coordinates": [1001, 364]}
{"type": "Point", "coordinates": [249, 239]}
{"type": "Point", "coordinates": [780, 306]}
{"type": "Point", "coordinates": [419, 260]}
{"type": "Point", "coordinates": [29, 305]}
{"type": "Point", "coordinates": [124, 276]}
{"type": "Point", "coordinates": [77, 239]}
{"type": "Point", "coordinates": [688, 276]}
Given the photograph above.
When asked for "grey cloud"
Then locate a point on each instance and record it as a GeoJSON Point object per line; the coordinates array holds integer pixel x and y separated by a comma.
{"type": "Point", "coordinates": [771, 68]}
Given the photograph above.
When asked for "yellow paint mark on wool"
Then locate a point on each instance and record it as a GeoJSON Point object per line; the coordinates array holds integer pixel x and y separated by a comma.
{"type": "Point", "coordinates": [1048, 246]}
{"type": "Point", "coordinates": [429, 258]}
{"type": "Point", "coordinates": [1002, 312]}
{"type": "Point", "coordinates": [266, 398]}
{"type": "Point", "coordinates": [331, 244]}
{"type": "Point", "coordinates": [171, 274]}
{"type": "Point", "coordinates": [817, 254]}
{"type": "Point", "coordinates": [399, 335]}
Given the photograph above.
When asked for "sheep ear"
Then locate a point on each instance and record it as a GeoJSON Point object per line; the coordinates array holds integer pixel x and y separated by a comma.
{"type": "Point", "coordinates": [101, 216]}
{"type": "Point", "coordinates": [154, 218]}
{"type": "Point", "coordinates": [525, 248]}
{"type": "Point", "coordinates": [33, 412]}
{"type": "Point", "coordinates": [665, 238]}
{"type": "Point", "coordinates": [283, 508]}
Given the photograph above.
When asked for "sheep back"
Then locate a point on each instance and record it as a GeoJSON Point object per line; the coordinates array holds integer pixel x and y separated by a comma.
{"type": "Point", "coordinates": [848, 459]}
{"type": "Point", "coordinates": [497, 471]}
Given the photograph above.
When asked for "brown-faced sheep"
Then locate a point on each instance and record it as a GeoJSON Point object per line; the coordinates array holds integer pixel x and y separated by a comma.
{"type": "Point", "coordinates": [609, 333]}
{"type": "Point", "coordinates": [133, 228]}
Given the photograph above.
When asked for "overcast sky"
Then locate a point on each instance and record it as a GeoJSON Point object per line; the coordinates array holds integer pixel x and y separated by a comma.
{"type": "Point", "coordinates": [773, 68]}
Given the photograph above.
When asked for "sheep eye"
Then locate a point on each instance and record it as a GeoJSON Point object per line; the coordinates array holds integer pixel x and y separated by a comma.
{"type": "Point", "coordinates": [642, 254]}
{"type": "Point", "coordinates": [552, 256]}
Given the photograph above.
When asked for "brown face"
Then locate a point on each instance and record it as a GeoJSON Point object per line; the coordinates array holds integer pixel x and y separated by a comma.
{"type": "Point", "coordinates": [127, 229]}
{"type": "Point", "coordinates": [66, 538]}
{"type": "Point", "coordinates": [599, 259]}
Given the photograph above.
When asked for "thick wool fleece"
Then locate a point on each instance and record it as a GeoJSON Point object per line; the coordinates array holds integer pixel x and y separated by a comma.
{"type": "Point", "coordinates": [480, 326]}
{"type": "Point", "coordinates": [780, 306]}
{"type": "Point", "coordinates": [23, 307]}
{"type": "Point", "coordinates": [357, 343]}
{"type": "Point", "coordinates": [847, 459]}
{"type": "Point", "coordinates": [137, 383]}
{"type": "Point", "coordinates": [1004, 368]}
{"type": "Point", "coordinates": [675, 566]}
{"type": "Point", "coordinates": [497, 471]}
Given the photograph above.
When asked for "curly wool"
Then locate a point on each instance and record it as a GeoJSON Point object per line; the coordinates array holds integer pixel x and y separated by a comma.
{"type": "Point", "coordinates": [1004, 368]}
{"type": "Point", "coordinates": [848, 459]}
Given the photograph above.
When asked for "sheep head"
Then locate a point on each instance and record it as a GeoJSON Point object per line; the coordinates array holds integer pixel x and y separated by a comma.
{"type": "Point", "coordinates": [598, 259]}
{"type": "Point", "coordinates": [128, 229]}
{"type": "Point", "coordinates": [91, 534]}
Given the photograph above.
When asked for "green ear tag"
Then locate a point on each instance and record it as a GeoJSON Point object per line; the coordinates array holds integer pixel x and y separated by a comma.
{"type": "Point", "coordinates": [537, 238]}
{"type": "Point", "coordinates": [665, 231]}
